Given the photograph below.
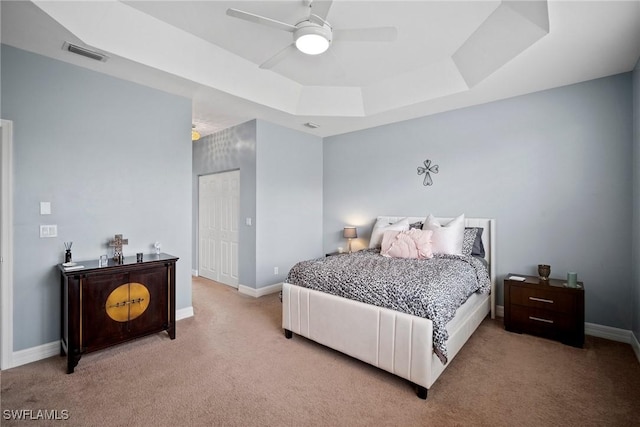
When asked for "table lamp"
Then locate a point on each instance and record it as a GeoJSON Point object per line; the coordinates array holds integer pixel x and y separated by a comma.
{"type": "Point", "coordinates": [350, 233]}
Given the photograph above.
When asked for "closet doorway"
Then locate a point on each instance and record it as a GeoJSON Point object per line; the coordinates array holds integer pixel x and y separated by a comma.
{"type": "Point", "coordinates": [218, 210]}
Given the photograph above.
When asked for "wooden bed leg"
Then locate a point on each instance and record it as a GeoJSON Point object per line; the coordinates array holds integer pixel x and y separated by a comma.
{"type": "Point", "coordinates": [288, 334]}
{"type": "Point", "coordinates": [421, 391]}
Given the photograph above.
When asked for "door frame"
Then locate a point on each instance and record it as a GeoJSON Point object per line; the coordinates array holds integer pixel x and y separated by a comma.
{"type": "Point", "coordinates": [6, 246]}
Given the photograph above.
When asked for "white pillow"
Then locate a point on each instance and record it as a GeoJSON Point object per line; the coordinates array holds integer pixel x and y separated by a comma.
{"type": "Point", "coordinates": [381, 226]}
{"type": "Point", "coordinates": [446, 239]}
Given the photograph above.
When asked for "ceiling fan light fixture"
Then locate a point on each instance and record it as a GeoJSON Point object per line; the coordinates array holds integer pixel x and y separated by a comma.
{"type": "Point", "coordinates": [195, 135]}
{"type": "Point", "coordinates": [312, 44]}
{"type": "Point", "coordinates": [312, 39]}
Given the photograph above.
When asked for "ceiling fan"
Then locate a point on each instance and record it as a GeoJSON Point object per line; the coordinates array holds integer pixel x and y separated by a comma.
{"type": "Point", "coordinates": [314, 34]}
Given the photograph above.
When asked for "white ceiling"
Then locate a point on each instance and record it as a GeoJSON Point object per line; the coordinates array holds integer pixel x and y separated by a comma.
{"type": "Point", "coordinates": [448, 54]}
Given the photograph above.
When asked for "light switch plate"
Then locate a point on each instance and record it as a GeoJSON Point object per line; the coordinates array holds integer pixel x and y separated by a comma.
{"type": "Point", "coordinates": [45, 208]}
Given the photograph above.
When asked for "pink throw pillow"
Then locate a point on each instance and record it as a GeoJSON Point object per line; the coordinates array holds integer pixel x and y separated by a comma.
{"type": "Point", "coordinates": [412, 243]}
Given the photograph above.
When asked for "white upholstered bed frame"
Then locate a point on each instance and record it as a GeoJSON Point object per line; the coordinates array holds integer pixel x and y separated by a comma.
{"type": "Point", "coordinates": [396, 342]}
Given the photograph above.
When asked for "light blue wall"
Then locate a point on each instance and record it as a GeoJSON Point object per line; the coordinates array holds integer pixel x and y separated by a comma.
{"type": "Point", "coordinates": [636, 201]}
{"type": "Point", "coordinates": [553, 168]}
{"type": "Point", "coordinates": [231, 149]}
{"type": "Point", "coordinates": [289, 200]}
{"type": "Point", "coordinates": [111, 156]}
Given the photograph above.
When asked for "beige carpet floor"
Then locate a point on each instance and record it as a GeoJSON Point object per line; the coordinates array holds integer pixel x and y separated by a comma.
{"type": "Point", "coordinates": [231, 365]}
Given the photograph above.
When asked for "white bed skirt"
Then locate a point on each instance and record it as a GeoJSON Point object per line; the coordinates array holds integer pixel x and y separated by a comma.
{"type": "Point", "coordinates": [396, 342]}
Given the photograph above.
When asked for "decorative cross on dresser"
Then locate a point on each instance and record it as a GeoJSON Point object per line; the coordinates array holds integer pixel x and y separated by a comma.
{"type": "Point", "coordinates": [117, 243]}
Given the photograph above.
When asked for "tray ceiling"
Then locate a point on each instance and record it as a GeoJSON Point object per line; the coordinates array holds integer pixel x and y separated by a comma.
{"type": "Point", "coordinates": [447, 54]}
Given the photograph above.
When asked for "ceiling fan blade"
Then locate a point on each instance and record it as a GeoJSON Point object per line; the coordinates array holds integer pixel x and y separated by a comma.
{"type": "Point", "coordinates": [320, 8]}
{"type": "Point", "coordinates": [377, 34]}
{"type": "Point", "coordinates": [257, 19]}
{"type": "Point", "coordinates": [275, 59]}
{"type": "Point", "coordinates": [317, 20]}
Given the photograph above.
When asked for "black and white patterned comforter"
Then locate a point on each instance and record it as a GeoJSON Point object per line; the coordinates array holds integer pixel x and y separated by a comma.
{"type": "Point", "coordinates": [431, 288]}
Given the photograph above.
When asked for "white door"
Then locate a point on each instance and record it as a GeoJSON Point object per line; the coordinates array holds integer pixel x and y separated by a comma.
{"type": "Point", "coordinates": [219, 205]}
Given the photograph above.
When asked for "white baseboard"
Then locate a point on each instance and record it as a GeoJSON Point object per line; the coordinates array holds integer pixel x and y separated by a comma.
{"type": "Point", "coordinates": [499, 311]}
{"type": "Point", "coordinates": [184, 313]}
{"type": "Point", "coordinates": [257, 293]}
{"type": "Point", "coordinates": [194, 273]}
{"type": "Point", "coordinates": [607, 332]}
{"type": "Point", "coordinates": [635, 345]}
{"type": "Point", "coordinates": [33, 354]}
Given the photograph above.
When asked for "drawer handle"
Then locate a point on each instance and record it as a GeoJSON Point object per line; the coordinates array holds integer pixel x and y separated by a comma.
{"type": "Point", "coordinates": [548, 301]}
{"type": "Point", "coordinates": [540, 320]}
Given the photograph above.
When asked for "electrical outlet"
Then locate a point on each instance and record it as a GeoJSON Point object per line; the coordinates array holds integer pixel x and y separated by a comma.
{"type": "Point", "coordinates": [275, 270]}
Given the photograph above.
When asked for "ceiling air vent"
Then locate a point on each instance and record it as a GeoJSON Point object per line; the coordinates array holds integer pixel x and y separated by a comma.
{"type": "Point", "coordinates": [84, 52]}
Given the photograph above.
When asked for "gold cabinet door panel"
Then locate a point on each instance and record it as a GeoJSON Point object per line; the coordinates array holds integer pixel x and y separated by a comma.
{"type": "Point", "coordinates": [127, 302]}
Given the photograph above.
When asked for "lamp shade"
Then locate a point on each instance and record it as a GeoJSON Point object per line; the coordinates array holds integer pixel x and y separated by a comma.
{"type": "Point", "coordinates": [350, 233]}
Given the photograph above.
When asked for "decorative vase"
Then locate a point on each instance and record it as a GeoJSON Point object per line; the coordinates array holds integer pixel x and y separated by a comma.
{"type": "Point", "coordinates": [572, 279]}
{"type": "Point", "coordinates": [544, 271]}
{"type": "Point", "coordinates": [67, 255]}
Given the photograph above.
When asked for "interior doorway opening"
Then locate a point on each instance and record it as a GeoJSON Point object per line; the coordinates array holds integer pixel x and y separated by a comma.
{"type": "Point", "coordinates": [218, 234]}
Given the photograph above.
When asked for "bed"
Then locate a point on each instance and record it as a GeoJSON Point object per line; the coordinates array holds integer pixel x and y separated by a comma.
{"type": "Point", "coordinates": [397, 342]}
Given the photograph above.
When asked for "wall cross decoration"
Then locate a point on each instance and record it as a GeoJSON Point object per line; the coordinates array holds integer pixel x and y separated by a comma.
{"type": "Point", "coordinates": [117, 243]}
{"type": "Point", "coordinates": [427, 170]}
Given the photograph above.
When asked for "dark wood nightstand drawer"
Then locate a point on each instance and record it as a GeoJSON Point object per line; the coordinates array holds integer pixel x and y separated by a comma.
{"type": "Point", "coordinates": [548, 324]}
{"type": "Point", "coordinates": [335, 254]}
{"type": "Point", "coordinates": [535, 318]}
{"type": "Point", "coordinates": [544, 299]}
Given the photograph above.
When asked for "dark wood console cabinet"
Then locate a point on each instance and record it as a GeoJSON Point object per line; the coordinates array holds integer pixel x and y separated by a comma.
{"type": "Point", "coordinates": [545, 307]}
{"type": "Point", "coordinates": [105, 306]}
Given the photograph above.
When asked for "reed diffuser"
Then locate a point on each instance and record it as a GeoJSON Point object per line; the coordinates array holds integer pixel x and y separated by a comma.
{"type": "Point", "coordinates": [67, 254]}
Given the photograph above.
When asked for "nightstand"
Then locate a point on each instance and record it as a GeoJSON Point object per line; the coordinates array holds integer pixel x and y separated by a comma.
{"type": "Point", "coordinates": [336, 253]}
{"type": "Point", "coordinates": [546, 308]}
